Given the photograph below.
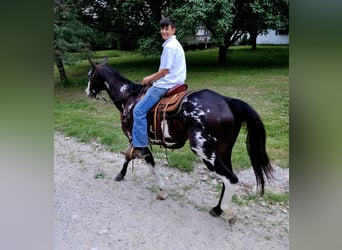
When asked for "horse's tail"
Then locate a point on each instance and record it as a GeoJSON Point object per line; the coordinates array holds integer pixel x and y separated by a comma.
{"type": "Point", "coordinates": [255, 141]}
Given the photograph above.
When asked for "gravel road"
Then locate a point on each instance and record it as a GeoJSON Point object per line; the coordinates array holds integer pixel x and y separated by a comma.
{"type": "Point", "coordinates": [100, 213]}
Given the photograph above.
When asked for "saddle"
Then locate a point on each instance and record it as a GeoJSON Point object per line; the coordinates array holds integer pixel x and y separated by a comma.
{"type": "Point", "coordinates": [170, 101]}
{"type": "Point", "coordinates": [168, 106]}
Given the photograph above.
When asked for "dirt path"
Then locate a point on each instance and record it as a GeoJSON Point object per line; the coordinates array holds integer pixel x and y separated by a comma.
{"type": "Point", "coordinates": [99, 213]}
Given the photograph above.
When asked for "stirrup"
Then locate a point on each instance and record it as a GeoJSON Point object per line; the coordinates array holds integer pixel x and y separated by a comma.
{"type": "Point", "coordinates": [128, 152]}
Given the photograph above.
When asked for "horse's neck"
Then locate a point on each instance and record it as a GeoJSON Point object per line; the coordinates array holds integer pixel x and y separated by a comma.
{"type": "Point", "coordinates": [122, 90]}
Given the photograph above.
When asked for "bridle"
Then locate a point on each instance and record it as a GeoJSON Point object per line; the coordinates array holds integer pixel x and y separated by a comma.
{"type": "Point", "coordinates": [91, 75]}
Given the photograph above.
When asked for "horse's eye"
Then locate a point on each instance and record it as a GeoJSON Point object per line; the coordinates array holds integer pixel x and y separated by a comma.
{"type": "Point", "coordinates": [89, 73]}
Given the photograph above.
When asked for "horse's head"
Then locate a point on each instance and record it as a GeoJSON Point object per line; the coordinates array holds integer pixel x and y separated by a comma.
{"type": "Point", "coordinates": [95, 83]}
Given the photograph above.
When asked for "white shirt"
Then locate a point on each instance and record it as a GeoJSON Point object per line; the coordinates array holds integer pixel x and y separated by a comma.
{"type": "Point", "coordinates": [173, 59]}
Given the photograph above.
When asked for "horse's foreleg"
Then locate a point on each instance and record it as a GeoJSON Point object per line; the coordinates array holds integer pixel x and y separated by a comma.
{"type": "Point", "coordinates": [123, 171]}
{"type": "Point", "coordinates": [162, 194]}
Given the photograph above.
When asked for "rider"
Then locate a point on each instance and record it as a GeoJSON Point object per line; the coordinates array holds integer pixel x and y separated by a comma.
{"type": "Point", "coordinates": [172, 71]}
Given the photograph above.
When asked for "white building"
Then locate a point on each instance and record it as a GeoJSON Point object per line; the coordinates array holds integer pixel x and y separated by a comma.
{"type": "Point", "coordinates": [273, 37]}
{"type": "Point", "coordinates": [202, 40]}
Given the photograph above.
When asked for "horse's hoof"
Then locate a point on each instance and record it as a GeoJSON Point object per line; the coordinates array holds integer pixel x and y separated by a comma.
{"type": "Point", "coordinates": [232, 221]}
{"type": "Point", "coordinates": [214, 213]}
{"type": "Point", "coordinates": [162, 195]}
{"type": "Point", "coordinates": [119, 177]}
{"type": "Point", "coordinates": [229, 216]}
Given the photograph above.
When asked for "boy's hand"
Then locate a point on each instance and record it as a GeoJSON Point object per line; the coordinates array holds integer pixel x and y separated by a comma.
{"type": "Point", "coordinates": [146, 81]}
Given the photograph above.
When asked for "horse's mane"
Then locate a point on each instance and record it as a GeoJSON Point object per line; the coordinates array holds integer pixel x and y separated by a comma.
{"type": "Point", "coordinates": [118, 75]}
{"type": "Point", "coordinates": [133, 86]}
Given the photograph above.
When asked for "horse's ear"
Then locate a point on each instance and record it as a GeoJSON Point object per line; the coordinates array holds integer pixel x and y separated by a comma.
{"type": "Point", "coordinates": [105, 61]}
{"type": "Point", "coordinates": [92, 63]}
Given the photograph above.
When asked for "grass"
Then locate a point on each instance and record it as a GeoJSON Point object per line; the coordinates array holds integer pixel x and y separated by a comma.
{"type": "Point", "coordinates": [100, 174]}
{"type": "Point", "coordinates": [258, 77]}
{"type": "Point", "coordinates": [268, 198]}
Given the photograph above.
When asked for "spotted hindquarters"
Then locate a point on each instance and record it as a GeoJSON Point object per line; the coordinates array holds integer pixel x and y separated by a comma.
{"type": "Point", "coordinates": [212, 133]}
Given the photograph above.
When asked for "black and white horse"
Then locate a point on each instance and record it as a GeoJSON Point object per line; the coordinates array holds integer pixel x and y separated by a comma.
{"type": "Point", "coordinates": [211, 122]}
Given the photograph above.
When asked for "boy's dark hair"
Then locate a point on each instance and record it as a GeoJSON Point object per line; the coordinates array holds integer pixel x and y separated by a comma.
{"type": "Point", "coordinates": [166, 21]}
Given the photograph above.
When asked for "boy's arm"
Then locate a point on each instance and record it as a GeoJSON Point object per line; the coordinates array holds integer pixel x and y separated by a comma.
{"type": "Point", "coordinates": [154, 77]}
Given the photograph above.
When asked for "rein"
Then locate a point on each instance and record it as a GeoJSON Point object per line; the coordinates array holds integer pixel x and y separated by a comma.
{"type": "Point", "coordinates": [115, 100]}
{"type": "Point", "coordinates": [106, 101]}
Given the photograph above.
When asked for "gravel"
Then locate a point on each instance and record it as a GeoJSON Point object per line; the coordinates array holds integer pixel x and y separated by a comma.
{"type": "Point", "coordinates": [92, 211]}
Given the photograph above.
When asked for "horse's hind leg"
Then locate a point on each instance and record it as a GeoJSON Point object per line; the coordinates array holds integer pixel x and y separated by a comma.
{"type": "Point", "coordinates": [229, 180]}
{"type": "Point", "coordinates": [162, 194]}
{"type": "Point", "coordinates": [224, 171]}
{"type": "Point", "coordinates": [224, 208]}
{"type": "Point", "coordinates": [210, 150]}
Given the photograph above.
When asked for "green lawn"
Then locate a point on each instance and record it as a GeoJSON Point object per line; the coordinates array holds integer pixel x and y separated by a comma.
{"type": "Point", "coordinates": [259, 77]}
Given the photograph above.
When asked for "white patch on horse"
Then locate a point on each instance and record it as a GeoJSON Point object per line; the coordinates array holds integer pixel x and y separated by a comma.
{"type": "Point", "coordinates": [107, 85]}
{"type": "Point", "coordinates": [197, 115]}
{"type": "Point", "coordinates": [227, 196]}
{"type": "Point", "coordinates": [166, 135]}
{"type": "Point", "coordinates": [87, 91]}
{"type": "Point", "coordinates": [123, 89]}
{"type": "Point", "coordinates": [130, 106]}
{"type": "Point", "coordinates": [165, 128]}
{"type": "Point", "coordinates": [200, 140]}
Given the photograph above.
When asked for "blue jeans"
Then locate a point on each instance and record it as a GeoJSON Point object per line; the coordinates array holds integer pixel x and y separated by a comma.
{"type": "Point", "coordinates": [140, 133]}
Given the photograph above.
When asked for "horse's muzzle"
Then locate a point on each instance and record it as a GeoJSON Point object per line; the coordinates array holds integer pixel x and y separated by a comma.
{"type": "Point", "coordinates": [92, 94]}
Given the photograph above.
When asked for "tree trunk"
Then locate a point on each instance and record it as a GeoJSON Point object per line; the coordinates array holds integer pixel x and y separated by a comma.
{"type": "Point", "coordinates": [61, 70]}
{"type": "Point", "coordinates": [252, 39]}
{"type": "Point", "coordinates": [222, 54]}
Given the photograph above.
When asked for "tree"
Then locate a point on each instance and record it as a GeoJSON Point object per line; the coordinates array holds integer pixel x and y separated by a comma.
{"type": "Point", "coordinates": [228, 20]}
{"type": "Point", "coordinates": [133, 23]}
{"type": "Point", "coordinates": [70, 35]}
{"type": "Point", "coordinates": [265, 14]}
{"type": "Point", "coordinates": [218, 16]}
{"type": "Point", "coordinates": [130, 23]}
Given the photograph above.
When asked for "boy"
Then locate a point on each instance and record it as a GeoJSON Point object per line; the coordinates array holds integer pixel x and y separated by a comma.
{"type": "Point", "coordinates": [172, 71]}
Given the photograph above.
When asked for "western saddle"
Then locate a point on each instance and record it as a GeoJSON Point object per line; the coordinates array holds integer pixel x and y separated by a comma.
{"type": "Point", "coordinates": [168, 106]}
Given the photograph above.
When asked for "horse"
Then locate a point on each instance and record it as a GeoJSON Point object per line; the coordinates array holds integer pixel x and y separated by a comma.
{"type": "Point", "coordinates": [210, 121]}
